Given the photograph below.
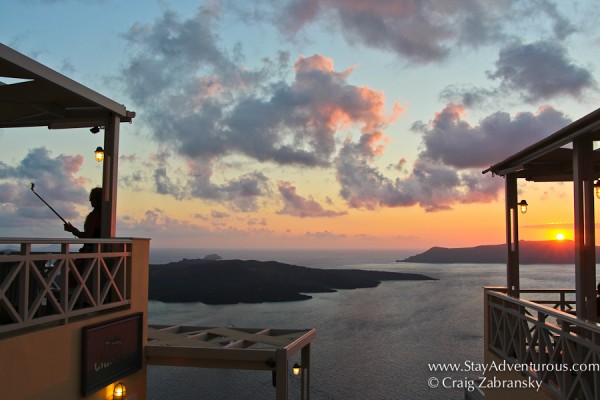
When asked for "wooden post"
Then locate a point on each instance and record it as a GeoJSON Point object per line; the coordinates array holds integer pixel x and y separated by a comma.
{"type": "Point", "coordinates": [281, 367]}
{"type": "Point", "coordinates": [110, 175]}
{"type": "Point", "coordinates": [305, 363]}
{"type": "Point", "coordinates": [585, 241]}
{"type": "Point", "coordinates": [512, 236]}
{"type": "Point", "coordinates": [24, 283]}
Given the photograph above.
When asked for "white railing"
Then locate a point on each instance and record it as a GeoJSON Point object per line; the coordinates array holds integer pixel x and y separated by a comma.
{"type": "Point", "coordinates": [560, 350]}
{"type": "Point", "coordinates": [49, 280]}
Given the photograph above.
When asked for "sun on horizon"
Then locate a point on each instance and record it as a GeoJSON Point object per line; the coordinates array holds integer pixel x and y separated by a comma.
{"type": "Point", "coordinates": [560, 236]}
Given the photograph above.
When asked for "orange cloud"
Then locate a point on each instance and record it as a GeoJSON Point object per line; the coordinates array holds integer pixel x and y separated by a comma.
{"type": "Point", "coordinates": [341, 105]}
{"type": "Point", "coordinates": [452, 112]}
{"type": "Point", "coordinates": [314, 63]}
{"type": "Point", "coordinates": [373, 141]}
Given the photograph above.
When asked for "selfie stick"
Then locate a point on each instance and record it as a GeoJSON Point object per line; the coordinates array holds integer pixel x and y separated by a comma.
{"type": "Point", "coordinates": [40, 197]}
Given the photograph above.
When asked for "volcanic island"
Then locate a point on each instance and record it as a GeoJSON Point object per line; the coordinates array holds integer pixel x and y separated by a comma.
{"type": "Point", "coordinates": [213, 281]}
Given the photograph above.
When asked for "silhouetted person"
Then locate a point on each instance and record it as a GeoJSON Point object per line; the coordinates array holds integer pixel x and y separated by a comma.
{"type": "Point", "coordinates": [91, 229]}
{"type": "Point", "coordinates": [91, 226]}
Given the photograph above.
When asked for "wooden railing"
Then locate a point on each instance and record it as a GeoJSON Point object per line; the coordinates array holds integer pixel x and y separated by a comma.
{"type": "Point", "coordinates": [48, 280]}
{"type": "Point", "coordinates": [559, 350]}
{"type": "Point", "coordinates": [558, 299]}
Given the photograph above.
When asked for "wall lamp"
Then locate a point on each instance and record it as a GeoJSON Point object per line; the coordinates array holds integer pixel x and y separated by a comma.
{"type": "Point", "coordinates": [523, 206]}
{"type": "Point", "coordinates": [597, 188]}
{"type": "Point", "coordinates": [297, 369]}
{"type": "Point", "coordinates": [99, 154]}
{"type": "Point", "coordinates": [119, 392]}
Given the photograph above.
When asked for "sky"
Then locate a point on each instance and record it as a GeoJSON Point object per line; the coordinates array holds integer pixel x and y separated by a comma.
{"type": "Point", "coordinates": [304, 123]}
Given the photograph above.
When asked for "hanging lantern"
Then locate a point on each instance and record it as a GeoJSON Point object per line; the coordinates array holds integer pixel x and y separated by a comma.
{"type": "Point", "coordinates": [99, 154]}
{"type": "Point", "coordinates": [523, 206]}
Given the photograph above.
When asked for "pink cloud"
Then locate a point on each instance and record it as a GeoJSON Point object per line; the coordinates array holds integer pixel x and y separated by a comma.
{"type": "Point", "coordinates": [302, 207]}
{"type": "Point", "coordinates": [314, 63]}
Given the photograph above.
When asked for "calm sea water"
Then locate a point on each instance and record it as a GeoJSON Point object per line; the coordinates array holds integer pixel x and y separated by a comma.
{"type": "Point", "coordinates": [371, 343]}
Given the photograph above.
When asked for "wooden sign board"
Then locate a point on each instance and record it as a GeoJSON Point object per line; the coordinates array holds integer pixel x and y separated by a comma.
{"type": "Point", "coordinates": [110, 350]}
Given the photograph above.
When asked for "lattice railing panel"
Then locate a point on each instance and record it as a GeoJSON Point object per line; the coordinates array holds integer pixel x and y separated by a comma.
{"type": "Point", "coordinates": [560, 350]}
{"type": "Point", "coordinates": [39, 287]}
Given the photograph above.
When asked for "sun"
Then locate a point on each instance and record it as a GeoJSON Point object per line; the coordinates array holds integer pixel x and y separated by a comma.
{"type": "Point", "coordinates": [560, 236]}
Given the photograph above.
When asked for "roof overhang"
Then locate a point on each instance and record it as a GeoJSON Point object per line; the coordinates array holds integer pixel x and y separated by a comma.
{"type": "Point", "coordinates": [41, 96]}
{"type": "Point", "coordinates": [549, 160]}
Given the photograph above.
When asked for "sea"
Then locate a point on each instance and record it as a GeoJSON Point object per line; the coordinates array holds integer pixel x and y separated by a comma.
{"type": "Point", "coordinates": [376, 343]}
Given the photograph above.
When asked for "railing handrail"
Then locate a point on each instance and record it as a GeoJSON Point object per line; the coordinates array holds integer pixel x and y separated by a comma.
{"type": "Point", "coordinates": [16, 240]}
{"type": "Point", "coordinates": [558, 314]}
{"type": "Point", "coordinates": [557, 290]}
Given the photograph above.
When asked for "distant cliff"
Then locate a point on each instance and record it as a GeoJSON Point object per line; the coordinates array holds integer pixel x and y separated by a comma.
{"type": "Point", "coordinates": [530, 252]}
{"type": "Point", "coordinates": [238, 281]}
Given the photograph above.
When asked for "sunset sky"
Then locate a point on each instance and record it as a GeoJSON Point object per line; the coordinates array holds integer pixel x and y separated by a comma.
{"type": "Point", "coordinates": [304, 123]}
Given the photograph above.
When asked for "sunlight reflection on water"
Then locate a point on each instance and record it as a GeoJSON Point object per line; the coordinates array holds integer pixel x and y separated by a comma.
{"type": "Point", "coordinates": [371, 343]}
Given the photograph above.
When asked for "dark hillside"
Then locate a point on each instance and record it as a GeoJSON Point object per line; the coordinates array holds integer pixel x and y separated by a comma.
{"type": "Point", "coordinates": [531, 252]}
{"type": "Point", "coordinates": [238, 281]}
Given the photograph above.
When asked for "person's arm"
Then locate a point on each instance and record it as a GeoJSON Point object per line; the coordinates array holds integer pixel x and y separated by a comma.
{"type": "Point", "coordinates": [72, 229]}
{"type": "Point", "coordinates": [91, 226]}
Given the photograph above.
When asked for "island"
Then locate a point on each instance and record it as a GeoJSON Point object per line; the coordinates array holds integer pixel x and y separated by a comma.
{"type": "Point", "coordinates": [249, 281]}
{"type": "Point", "coordinates": [530, 252]}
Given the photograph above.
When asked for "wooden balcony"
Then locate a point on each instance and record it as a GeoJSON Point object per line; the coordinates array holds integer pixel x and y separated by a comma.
{"type": "Point", "coordinates": [557, 348]}
{"type": "Point", "coordinates": [49, 281]}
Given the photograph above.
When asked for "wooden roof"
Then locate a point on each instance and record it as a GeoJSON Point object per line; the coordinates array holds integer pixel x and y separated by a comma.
{"type": "Point", "coordinates": [44, 97]}
{"type": "Point", "coordinates": [551, 159]}
{"type": "Point", "coordinates": [219, 347]}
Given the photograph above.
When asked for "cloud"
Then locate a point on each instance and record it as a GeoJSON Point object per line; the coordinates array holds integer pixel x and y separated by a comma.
{"type": "Point", "coordinates": [302, 207]}
{"type": "Point", "coordinates": [164, 184]}
{"type": "Point", "coordinates": [257, 221]}
{"type": "Point", "coordinates": [199, 216]}
{"type": "Point", "coordinates": [450, 139]}
{"type": "Point", "coordinates": [56, 181]}
{"type": "Point", "coordinates": [241, 193]}
{"type": "Point", "coordinates": [422, 31]}
{"type": "Point", "coordinates": [551, 225]}
{"type": "Point", "coordinates": [325, 235]}
{"type": "Point", "coordinates": [184, 46]}
{"type": "Point", "coordinates": [540, 71]}
{"type": "Point", "coordinates": [157, 222]}
{"type": "Point", "coordinates": [215, 107]}
{"type": "Point", "coordinates": [447, 171]}
{"type": "Point", "coordinates": [286, 124]}
{"type": "Point", "coordinates": [469, 96]}
{"type": "Point", "coordinates": [561, 26]}
{"type": "Point", "coordinates": [133, 180]}
{"type": "Point", "coordinates": [430, 185]}
{"type": "Point", "coordinates": [219, 214]}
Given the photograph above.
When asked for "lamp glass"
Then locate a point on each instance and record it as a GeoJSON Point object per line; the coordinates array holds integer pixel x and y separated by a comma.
{"type": "Point", "coordinates": [296, 369]}
{"type": "Point", "coordinates": [119, 392]}
{"type": "Point", "coordinates": [523, 206]}
{"type": "Point", "coordinates": [99, 154]}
